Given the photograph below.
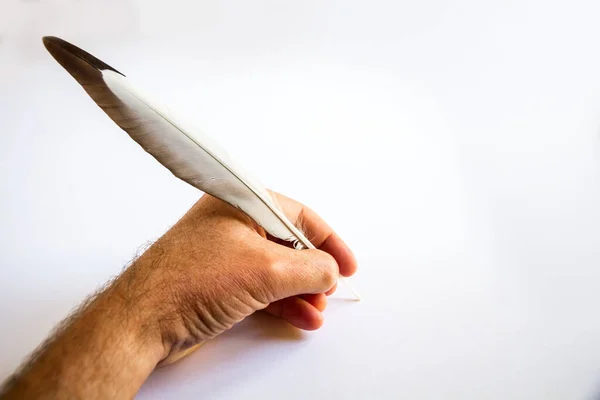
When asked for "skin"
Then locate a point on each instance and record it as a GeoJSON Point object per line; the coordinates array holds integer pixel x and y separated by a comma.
{"type": "Point", "coordinates": [209, 271]}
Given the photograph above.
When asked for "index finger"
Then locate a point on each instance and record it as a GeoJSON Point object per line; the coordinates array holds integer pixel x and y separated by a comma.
{"type": "Point", "coordinates": [321, 235]}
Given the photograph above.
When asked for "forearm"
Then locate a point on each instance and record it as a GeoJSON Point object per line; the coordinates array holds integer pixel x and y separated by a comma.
{"type": "Point", "coordinates": [106, 350]}
{"type": "Point", "coordinates": [208, 272]}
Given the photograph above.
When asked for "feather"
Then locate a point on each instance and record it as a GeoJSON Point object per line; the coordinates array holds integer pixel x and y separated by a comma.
{"type": "Point", "coordinates": [183, 149]}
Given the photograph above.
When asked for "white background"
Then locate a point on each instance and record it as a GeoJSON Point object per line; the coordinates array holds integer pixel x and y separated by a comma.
{"type": "Point", "coordinates": [454, 144]}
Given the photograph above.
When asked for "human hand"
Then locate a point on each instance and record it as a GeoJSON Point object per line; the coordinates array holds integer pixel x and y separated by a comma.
{"type": "Point", "coordinates": [212, 269]}
{"type": "Point", "coordinates": [216, 266]}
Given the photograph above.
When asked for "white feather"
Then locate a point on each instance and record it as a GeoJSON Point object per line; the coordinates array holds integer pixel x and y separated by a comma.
{"type": "Point", "coordinates": [182, 148]}
{"type": "Point", "coordinates": [195, 158]}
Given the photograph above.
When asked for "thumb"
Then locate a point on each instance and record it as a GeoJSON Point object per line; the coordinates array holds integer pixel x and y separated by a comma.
{"type": "Point", "coordinates": [304, 272]}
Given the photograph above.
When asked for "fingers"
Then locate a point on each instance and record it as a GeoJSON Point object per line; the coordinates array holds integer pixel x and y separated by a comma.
{"type": "Point", "coordinates": [305, 314]}
{"type": "Point", "coordinates": [331, 291]}
{"type": "Point", "coordinates": [318, 301]}
{"type": "Point", "coordinates": [298, 312]}
{"type": "Point", "coordinates": [319, 233]}
{"type": "Point", "coordinates": [335, 246]}
{"type": "Point", "coordinates": [302, 272]}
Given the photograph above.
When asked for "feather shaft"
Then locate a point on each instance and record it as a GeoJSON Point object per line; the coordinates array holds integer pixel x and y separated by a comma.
{"type": "Point", "coordinates": [183, 149]}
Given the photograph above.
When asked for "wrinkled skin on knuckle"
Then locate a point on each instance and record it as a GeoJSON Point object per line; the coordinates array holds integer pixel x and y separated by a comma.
{"type": "Point", "coordinates": [284, 274]}
{"type": "Point", "coordinates": [262, 277]}
{"type": "Point", "coordinates": [329, 272]}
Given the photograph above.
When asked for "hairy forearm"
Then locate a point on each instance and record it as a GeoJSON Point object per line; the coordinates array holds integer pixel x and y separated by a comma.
{"type": "Point", "coordinates": [208, 272]}
{"type": "Point", "coordinates": [105, 350]}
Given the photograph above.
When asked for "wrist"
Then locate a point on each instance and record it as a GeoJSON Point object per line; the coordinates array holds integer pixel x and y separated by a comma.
{"type": "Point", "coordinates": [158, 304]}
{"type": "Point", "coordinates": [130, 340]}
{"type": "Point", "coordinates": [137, 318]}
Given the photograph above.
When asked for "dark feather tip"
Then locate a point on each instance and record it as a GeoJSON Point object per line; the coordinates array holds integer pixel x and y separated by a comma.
{"type": "Point", "coordinates": [62, 50]}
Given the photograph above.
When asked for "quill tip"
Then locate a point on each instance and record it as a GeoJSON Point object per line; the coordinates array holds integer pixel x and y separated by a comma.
{"type": "Point", "coordinates": [357, 296]}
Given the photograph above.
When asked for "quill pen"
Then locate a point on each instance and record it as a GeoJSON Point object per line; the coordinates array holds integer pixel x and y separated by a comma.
{"type": "Point", "coordinates": [182, 148]}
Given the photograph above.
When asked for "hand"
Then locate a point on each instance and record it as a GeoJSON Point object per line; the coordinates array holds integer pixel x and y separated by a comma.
{"type": "Point", "coordinates": [210, 270]}
{"type": "Point", "coordinates": [216, 266]}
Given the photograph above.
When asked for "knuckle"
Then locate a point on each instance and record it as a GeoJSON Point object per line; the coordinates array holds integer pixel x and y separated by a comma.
{"type": "Point", "coordinates": [329, 271]}
{"type": "Point", "coordinates": [266, 275]}
{"type": "Point", "coordinates": [273, 265]}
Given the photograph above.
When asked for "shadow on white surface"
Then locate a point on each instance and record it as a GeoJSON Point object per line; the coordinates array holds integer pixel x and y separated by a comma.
{"type": "Point", "coordinates": [229, 351]}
